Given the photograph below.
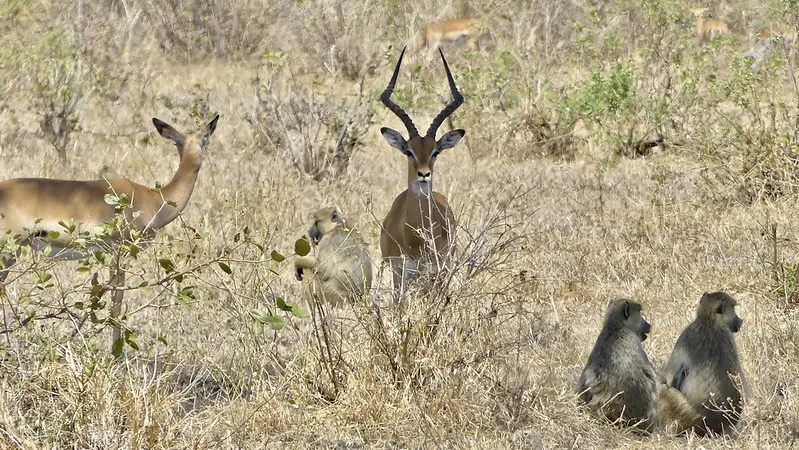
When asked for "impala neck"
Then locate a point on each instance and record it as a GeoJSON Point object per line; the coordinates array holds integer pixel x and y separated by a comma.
{"type": "Point", "coordinates": [178, 190]}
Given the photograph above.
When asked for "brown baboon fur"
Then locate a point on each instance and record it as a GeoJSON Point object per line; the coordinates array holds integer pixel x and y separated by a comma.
{"type": "Point", "coordinates": [699, 391]}
{"type": "Point", "coordinates": [618, 381]}
{"type": "Point", "coordinates": [342, 268]}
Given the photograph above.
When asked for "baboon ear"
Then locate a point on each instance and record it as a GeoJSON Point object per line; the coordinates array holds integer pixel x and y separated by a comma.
{"type": "Point", "coordinates": [721, 308]}
{"type": "Point", "coordinates": [166, 130]}
{"type": "Point", "coordinates": [449, 139]}
{"type": "Point", "coordinates": [211, 127]}
{"type": "Point", "coordinates": [626, 310]}
{"type": "Point", "coordinates": [395, 139]}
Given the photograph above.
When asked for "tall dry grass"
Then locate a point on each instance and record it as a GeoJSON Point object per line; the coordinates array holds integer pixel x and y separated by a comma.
{"type": "Point", "coordinates": [607, 155]}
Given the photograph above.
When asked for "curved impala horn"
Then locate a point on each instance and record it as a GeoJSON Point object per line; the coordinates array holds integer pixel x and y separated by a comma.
{"type": "Point", "coordinates": [457, 100]}
{"type": "Point", "coordinates": [385, 97]}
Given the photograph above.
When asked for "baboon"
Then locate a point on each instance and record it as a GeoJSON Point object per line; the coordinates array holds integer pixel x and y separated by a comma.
{"type": "Point", "coordinates": [699, 389]}
{"type": "Point", "coordinates": [342, 268]}
{"type": "Point", "coordinates": [708, 27]}
{"type": "Point", "coordinates": [618, 381]}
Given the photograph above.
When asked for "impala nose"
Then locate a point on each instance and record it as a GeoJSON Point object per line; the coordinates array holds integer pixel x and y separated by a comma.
{"type": "Point", "coordinates": [423, 176]}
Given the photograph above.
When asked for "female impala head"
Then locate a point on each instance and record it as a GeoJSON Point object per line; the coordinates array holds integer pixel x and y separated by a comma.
{"type": "Point", "coordinates": [421, 150]}
{"type": "Point", "coordinates": [189, 145]}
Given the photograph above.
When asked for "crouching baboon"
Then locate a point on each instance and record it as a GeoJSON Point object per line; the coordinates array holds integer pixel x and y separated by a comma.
{"type": "Point", "coordinates": [342, 268]}
{"type": "Point", "coordinates": [618, 381]}
{"type": "Point", "coordinates": [700, 390]}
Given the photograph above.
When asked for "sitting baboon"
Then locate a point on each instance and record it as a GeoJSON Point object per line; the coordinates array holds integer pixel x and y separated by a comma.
{"type": "Point", "coordinates": [700, 390]}
{"type": "Point", "coordinates": [618, 381]}
{"type": "Point", "coordinates": [342, 268]}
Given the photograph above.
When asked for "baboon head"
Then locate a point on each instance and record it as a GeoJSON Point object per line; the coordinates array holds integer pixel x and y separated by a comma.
{"type": "Point", "coordinates": [627, 314]}
{"type": "Point", "coordinates": [719, 308]}
{"type": "Point", "coordinates": [325, 221]}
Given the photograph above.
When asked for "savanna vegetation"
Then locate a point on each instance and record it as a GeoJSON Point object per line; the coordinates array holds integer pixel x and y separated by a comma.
{"type": "Point", "coordinates": [607, 154]}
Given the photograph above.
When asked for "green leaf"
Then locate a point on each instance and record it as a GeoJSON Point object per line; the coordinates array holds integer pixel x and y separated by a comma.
{"type": "Point", "coordinates": [111, 199]}
{"type": "Point", "coordinates": [275, 322]}
{"type": "Point", "coordinates": [43, 276]}
{"type": "Point", "coordinates": [54, 234]}
{"type": "Point", "coordinates": [186, 295]}
{"type": "Point", "coordinates": [265, 317]}
{"type": "Point", "coordinates": [167, 265]}
{"type": "Point", "coordinates": [300, 312]}
{"type": "Point", "coordinates": [129, 336]}
{"type": "Point", "coordinates": [282, 304]}
{"type": "Point", "coordinates": [302, 247]}
{"type": "Point", "coordinates": [225, 268]}
{"type": "Point", "coordinates": [277, 257]}
{"type": "Point", "coordinates": [116, 350]}
{"type": "Point", "coordinates": [289, 306]}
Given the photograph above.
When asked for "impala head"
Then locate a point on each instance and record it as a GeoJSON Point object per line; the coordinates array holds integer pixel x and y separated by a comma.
{"type": "Point", "coordinates": [189, 145]}
{"type": "Point", "coordinates": [421, 150]}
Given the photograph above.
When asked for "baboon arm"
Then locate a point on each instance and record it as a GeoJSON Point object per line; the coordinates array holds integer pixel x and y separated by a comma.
{"type": "Point", "coordinates": [585, 387]}
{"type": "Point", "coordinates": [305, 262]}
{"type": "Point", "coordinates": [676, 370]}
{"type": "Point", "coordinates": [301, 263]}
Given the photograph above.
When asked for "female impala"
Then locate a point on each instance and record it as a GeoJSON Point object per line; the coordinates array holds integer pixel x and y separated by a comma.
{"type": "Point", "coordinates": [33, 209]}
{"type": "Point", "coordinates": [420, 226]}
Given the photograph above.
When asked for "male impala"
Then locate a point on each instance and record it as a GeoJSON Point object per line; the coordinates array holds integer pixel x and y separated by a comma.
{"type": "Point", "coordinates": [432, 35]}
{"type": "Point", "coordinates": [31, 208]}
{"type": "Point", "coordinates": [420, 224]}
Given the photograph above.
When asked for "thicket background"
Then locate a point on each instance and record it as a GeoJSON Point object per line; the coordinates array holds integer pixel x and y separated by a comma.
{"type": "Point", "coordinates": [607, 154]}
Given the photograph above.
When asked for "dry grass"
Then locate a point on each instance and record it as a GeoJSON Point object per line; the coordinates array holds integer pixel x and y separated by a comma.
{"type": "Point", "coordinates": [556, 216]}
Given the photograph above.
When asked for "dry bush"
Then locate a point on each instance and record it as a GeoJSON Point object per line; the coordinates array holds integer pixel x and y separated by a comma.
{"type": "Point", "coordinates": [344, 37]}
{"type": "Point", "coordinates": [317, 134]}
{"type": "Point", "coordinates": [540, 133]}
{"type": "Point", "coordinates": [199, 29]}
{"type": "Point", "coordinates": [489, 360]}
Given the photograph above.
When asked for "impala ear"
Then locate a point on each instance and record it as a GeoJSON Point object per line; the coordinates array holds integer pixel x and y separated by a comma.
{"type": "Point", "coordinates": [395, 139]}
{"type": "Point", "coordinates": [166, 130]}
{"type": "Point", "coordinates": [211, 127]}
{"type": "Point", "coordinates": [449, 139]}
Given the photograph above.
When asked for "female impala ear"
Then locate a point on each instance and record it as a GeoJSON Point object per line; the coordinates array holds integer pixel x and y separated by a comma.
{"type": "Point", "coordinates": [166, 130]}
{"type": "Point", "coordinates": [449, 139]}
{"type": "Point", "coordinates": [211, 127]}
